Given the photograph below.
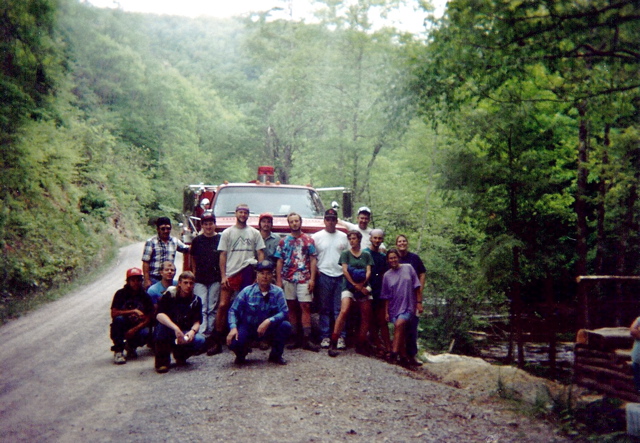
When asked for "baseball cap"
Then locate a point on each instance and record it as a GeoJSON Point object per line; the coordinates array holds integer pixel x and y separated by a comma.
{"type": "Point", "coordinates": [264, 265]}
{"type": "Point", "coordinates": [208, 215]}
{"type": "Point", "coordinates": [330, 213]}
{"type": "Point", "coordinates": [134, 272]}
{"type": "Point", "coordinates": [364, 209]}
{"type": "Point", "coordinates": [265, 215]}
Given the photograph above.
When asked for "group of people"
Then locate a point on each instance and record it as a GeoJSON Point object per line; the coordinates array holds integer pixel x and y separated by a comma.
{"type": "Point", "coordinates": [249, 285]}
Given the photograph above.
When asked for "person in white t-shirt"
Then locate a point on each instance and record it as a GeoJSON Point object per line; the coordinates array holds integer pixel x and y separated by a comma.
{"type": "Point", "coordinates": [240, 245]}
{"type": "Point", "coordinates": [329, 245]}
{"type": "Point", "coordinates": [364, 218]}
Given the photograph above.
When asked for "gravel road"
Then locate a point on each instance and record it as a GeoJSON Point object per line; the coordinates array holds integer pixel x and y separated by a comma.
{"type": "Point", "coordinates": [59, 383]}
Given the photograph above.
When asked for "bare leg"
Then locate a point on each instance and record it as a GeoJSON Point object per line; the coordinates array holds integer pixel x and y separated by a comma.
{"type": "Point", "coordinates": [399, 338]}
{"type": "Point", "coordinates": [305, 315]}
{"type": "Point", "coordinates": [365, 321]}
{"type": "Point", "coordinates": [223, 308]}
{"type": "Point", "coordinates": [341, 321]}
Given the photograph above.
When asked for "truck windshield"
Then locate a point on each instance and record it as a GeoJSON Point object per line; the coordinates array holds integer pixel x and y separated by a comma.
{"type": "Point", "coordinates": [277, 200]}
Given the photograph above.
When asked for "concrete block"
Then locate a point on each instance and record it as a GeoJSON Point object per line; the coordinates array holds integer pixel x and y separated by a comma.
{"type": "Point", "coordinates": [633, 419]}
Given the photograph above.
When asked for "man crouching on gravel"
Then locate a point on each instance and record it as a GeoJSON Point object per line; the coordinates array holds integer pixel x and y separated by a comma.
{"type": "Point", "coordinates": [131, 311]}
{"type": "Point", "coordinates": [179, 317]}
{"type": "Point", "coordinates": [259, 312]}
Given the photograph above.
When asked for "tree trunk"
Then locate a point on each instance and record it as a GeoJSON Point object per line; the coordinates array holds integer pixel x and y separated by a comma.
{"type": "Point", "coordinates": [602, 196]}
{"type": "Point", "coordinates": [623, 245]}
{"type": "Point", "coordinates": [551, 323]}
{"type": "Point", "coordinates": [581, 214]}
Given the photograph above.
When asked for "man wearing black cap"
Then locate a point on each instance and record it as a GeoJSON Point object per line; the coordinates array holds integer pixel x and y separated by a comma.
{"type": "Point", "coordinates": [329, 244]}
{"type": "Point", "coordinates": [159, 249]}
{"type": "Point", "coordinates": [259, 312]}
{"type": "Point", "coordinates": [205, 264]}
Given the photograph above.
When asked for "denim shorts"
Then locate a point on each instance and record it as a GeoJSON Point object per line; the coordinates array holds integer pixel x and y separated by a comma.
{"type": "Point", "coordinates": [406, 316]}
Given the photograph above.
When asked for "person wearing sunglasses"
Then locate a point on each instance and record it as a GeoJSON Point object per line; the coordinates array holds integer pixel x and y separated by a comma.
{"type": "Point", "coordinates": [159, 249]}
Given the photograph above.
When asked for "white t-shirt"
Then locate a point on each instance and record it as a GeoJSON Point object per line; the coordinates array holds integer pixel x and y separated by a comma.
{"type": "Point", "coordinates": [241, 245]}
{"type": "Point", "coordinates": [329, 246]}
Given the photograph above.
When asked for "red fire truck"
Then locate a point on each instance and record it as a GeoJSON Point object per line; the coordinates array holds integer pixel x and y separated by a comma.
{"type": "Point", "coordinates": [262, 195]}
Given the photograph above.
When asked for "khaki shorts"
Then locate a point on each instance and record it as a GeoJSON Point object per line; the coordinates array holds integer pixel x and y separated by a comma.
{"type": "Point", "coordinates": [357, 296]}
{"type": "Point", "coordinates": [297, 291]}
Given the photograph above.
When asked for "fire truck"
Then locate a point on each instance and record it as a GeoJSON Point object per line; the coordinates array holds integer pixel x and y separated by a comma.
{"type": "Point", "coordinates": [262, 195]}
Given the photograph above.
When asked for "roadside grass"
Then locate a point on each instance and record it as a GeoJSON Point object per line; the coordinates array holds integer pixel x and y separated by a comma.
{"type": "Point", "coordinates": [18, 305]}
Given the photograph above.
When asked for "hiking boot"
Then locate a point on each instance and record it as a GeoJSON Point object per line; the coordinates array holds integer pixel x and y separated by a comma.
{"type": "Point", "coordinates": [241, 358]}
{"type": "Point", "coordinates": [363, 349]}
{"type": "Point", "coordinates": [413, 361]}
{"type": "Point", "coordinates": [333, 351]}
{"type": "Point", "coordinates": [130, 352]}
{"type": "Point", "coordinates": [215, 348]}
{"type": "Point", "coordinates": [277, 360]}
{"type": "Point", "coordinates": [405, 362]}
{"type": "Point", "coordinates": [341, 343]}
{"type": "Point", "coordinates": [119, 358]}
{"type": "Point", "coordinates": [310, 346]}
{"type": "Point", "coordinates": [163, 358]}
{"type": "Point", "coordinates": [324, 344]}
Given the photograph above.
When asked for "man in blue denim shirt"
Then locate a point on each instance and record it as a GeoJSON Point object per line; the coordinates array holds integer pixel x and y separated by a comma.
{"type": "Point", "coordinates": [259, 312]}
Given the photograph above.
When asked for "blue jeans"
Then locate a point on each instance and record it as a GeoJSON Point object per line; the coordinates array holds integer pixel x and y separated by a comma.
{"type": "Point", "coordinates": [119, 328]}
{"type": "Point", "coordinates": [635, 367]}
{"type": "Point", "coordinates": [210, 296]}
{"type": "Point", "coordinates": [277, 334]}
{"type": "Point", "coordinates": [166, 340]}
{"type": "Point", "coordinates": [329, 290]}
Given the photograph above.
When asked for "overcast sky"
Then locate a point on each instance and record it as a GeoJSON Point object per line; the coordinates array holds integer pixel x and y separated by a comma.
{"type": "Point", "coordinates": [409, 19]}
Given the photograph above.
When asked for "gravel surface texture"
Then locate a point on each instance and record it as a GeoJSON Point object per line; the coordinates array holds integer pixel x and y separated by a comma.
{"type": "Point", "coordinates": [59, 383]}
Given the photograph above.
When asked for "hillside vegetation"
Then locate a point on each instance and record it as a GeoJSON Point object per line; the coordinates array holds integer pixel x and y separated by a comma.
{"type": "Point", "coordinates": [505, 144]}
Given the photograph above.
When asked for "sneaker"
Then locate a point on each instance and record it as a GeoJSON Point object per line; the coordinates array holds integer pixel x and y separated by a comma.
{"type": "Point", "coordinates": [119, 358]}
{"type": "Point", "coordinates": [324, 344]}
{"type": "Point", "coordinates": [341, 343]}
{"type": "Point", "coordinates": [162, 369]}
{"type": "Point", "coordinates": [413, 361]}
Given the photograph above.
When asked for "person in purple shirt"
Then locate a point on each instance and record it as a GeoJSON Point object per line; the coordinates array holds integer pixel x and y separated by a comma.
{"type": "Point", "coordinates": [402, 244]}
{"type": "Point", "coordinates": [401, 291]}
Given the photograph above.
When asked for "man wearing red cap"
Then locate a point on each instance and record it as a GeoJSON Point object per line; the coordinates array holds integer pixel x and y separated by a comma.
{"type": "Point", "coordinates": [131, 311]}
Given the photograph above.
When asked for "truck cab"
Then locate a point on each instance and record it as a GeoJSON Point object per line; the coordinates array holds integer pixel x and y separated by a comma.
{"type": "Point", "coordinates": [261, 195]}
